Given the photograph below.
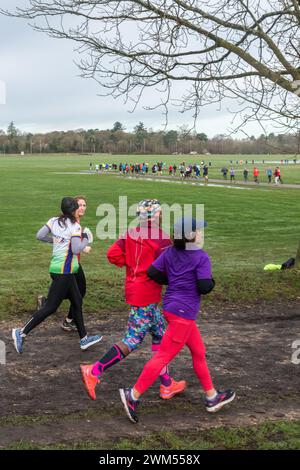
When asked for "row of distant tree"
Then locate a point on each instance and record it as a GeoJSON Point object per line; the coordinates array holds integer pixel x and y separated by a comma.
{"type": "Point", "coordinates": [142, 140]}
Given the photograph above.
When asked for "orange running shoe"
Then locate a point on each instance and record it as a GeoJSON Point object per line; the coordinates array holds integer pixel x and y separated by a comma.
{"type": "Point", "coordinates": [168, 392]}
{"type": "Point", "coordinates": [89, 380]}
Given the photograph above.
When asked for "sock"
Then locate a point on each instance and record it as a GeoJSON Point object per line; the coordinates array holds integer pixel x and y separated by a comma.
{"type": "Point", "coordinates": [132, 396]}
{"type": "Point", "coordinates": [165, 379]}
{"type": "Point", "coordinates": [69, 320]}
{"type": "Point", "coordinates": [113, 355]}
{"type": "Point", "coordinates": [212, 398]}
{"type": "Point", "coordinates": [164, 375]}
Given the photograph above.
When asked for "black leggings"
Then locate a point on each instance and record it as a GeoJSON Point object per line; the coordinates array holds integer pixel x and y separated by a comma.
{"type": "Point", "coordinates": [81, 283]}
{"type": "Point", "coordinates": [63, 286]}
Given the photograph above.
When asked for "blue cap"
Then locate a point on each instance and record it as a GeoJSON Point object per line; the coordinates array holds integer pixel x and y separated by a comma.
{"type": "Point", "coordinates": [184, 226]}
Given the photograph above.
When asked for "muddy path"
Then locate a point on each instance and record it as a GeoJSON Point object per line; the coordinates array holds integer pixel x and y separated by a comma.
{"type": "Point", "coordinates": [249, 349]}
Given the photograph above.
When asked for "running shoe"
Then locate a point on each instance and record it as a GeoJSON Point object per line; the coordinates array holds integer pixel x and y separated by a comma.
{"type": "Point", "coordinates": [69, 326]}
{"type": "Point", "coordinates": [88, 341]}
{"type": "Point", "coordinates": [90, 381]}
{"type": "Point", "coordinates": [18, 340]}
{"type": "Point", "coordinates": [222, 399]}
{"type": "Point", "coordinates": [168, 392]}
{"type": "Point", "coordinates": [129, 404]}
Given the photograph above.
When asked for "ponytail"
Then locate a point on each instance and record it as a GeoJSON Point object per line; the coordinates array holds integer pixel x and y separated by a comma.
{"type": "Point", "coordinates": [180, 243]}
{"type": "Point", "coordinates": [62, 219]}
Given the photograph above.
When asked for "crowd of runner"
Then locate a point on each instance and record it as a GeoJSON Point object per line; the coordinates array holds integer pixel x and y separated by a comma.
{"type": "Point", "coordinates": [270, 173]}
{"type": "Point", "coordinates": [185, 171]}
{"type": "Point", "coordinates": [182, 169]}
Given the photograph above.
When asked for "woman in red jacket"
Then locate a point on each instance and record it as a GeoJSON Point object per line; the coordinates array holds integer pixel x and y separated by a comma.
{"type": "Point", "coordinates": [136, 251]}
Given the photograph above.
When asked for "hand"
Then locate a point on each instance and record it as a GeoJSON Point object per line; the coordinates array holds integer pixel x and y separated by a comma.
{"type": "Point", "coordinates": [88, 234]}
{"type": "Point", "coordinates": [87, 250]}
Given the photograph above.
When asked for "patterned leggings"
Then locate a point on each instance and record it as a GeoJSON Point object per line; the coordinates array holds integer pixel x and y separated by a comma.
{"type": "Point", "coordinates": [143, 320]}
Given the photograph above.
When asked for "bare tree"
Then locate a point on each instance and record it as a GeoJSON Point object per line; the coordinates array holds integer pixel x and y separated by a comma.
{"type": "Point", "coordinates": [241, 50]}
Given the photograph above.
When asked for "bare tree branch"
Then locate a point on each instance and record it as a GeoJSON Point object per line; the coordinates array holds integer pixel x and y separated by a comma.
{"type": "Point", "coordinates": [240, 50]}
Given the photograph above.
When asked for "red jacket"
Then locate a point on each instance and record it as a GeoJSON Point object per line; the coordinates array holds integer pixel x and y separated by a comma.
{"type": "Point", "coordinates": [137, 253]}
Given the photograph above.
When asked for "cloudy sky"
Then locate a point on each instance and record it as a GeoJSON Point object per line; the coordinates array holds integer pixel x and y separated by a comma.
{"type": "Point", "coordinates": [44, 91]}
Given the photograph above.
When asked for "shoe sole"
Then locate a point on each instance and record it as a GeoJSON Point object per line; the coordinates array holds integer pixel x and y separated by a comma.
{"type": "Point", "coordinates": [83, 348]}
{"type": "Point", "coordinates": [167, 397]}
{"type": "Point", "coordinates": [14, 337]}
{"type": "Point", "coordinates": [85, 385]}
{"type": "Point", "coordinates": [219, 406]}
{"type": "Point", "coordinates": [124, 401]}
{"type": "Point", "coordinates": [172, 394]}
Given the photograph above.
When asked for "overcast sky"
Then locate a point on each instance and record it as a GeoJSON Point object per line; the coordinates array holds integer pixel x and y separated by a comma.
{"type": "Point", "coordinates": [44, 91]}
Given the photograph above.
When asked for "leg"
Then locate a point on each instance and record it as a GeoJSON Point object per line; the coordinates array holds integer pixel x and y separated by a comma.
{"type": "Point", "coordinates": [110, 358]}
{"type": "Point", "coordinates": [173, 341]}
{"type": "Point", "coordinates": [81, 282]}
{"type": "Point", "coordinates": [137, 328]}
{"type": "Point", "coordinates": [76, 302]}
{"type": "Point", "coordinates": [57, 292]}
{"type": "Point", "coordinates": [215, 400]}
{"type": "Point", "coordinates": [179, 333]}
{"type": "Point", "coordinates": [157, 330]}
{"type": "Point", "coordinates": [197, 349]}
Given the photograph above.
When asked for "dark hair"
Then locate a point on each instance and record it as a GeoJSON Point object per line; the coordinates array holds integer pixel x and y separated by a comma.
{"type": "Point", "coordinates": [180, 243]}
{"type": "Point", "coordinates": [68, 206]}
{"type": "Point", "coordinates": [63, 218]}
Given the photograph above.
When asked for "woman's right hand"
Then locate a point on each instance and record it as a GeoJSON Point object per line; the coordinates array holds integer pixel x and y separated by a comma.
{"type": "Point", "coordinates": [87, 249]}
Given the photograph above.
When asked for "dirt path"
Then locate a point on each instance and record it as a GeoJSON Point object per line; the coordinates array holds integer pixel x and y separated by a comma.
{"type": "Point", "coordinates": [248, 349]}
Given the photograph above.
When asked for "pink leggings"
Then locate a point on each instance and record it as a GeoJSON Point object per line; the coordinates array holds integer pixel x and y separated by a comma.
{"type": "Point", "coordinates": [180, 332]}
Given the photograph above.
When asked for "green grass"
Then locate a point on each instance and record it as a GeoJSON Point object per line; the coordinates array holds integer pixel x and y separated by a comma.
{"type": "Point", "coordinates": [247, 229]}
{"type": "Point", "coordinates": [73, 162]}
{"type": "Point", "coordinates": [277, 435]}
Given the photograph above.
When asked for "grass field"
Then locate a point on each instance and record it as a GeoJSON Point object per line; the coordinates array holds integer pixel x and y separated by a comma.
{"type": "Point", "coordinates": [249, 323]}
{"type": "Point", "coordinates": [246, 229]}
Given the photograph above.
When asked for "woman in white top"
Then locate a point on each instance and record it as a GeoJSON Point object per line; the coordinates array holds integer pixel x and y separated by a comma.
{"type": "Point", "coordinates": [66, 237]}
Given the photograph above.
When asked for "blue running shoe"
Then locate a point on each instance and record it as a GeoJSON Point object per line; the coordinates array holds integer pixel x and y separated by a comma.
{"type": "Point", "coordinates": [222, 399]}
{"type": "Point", "coordinates": [129, 404]}
{"type": "Point", "coordinates": [85, 343]}
{"type": "Point", "coordinates": [18, 340]}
